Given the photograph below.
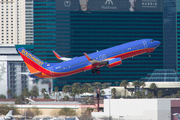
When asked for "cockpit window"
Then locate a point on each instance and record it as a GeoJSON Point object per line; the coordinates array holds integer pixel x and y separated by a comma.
{"type": "Point", "coordinates": [152, 41]}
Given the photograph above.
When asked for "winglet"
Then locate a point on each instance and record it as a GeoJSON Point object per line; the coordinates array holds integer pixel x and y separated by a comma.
{"type": "Point", "coordinates": [87, 56]}
{"type": "Point", "coordinates": [57, 55]}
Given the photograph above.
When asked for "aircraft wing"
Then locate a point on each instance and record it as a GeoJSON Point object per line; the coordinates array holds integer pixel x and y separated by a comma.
{"type": "Point", "coordinates": [61, 58]}
{"type": "Point", "coordinates": [95, 62]}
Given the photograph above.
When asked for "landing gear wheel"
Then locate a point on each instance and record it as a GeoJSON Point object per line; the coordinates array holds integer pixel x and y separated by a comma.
{"type": "Point", "coordinates": [93, 71]}
{"type": "Point", "coordinates": [98, 71]}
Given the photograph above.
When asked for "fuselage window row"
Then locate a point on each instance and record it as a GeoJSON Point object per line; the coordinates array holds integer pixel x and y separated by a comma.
{"type": "Point", "coordinates": [100, 57]}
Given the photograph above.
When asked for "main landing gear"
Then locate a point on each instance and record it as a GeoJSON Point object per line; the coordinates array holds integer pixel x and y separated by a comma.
{"type": "Point", "coordinates": [96, 71]}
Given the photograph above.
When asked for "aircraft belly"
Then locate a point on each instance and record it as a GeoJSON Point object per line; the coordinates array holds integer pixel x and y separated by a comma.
{"type": "Point", "coordinates": [134, 53]}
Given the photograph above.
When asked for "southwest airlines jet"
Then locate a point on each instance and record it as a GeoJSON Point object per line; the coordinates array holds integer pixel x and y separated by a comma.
{"type": "Point", "coordinates": [110, 57]}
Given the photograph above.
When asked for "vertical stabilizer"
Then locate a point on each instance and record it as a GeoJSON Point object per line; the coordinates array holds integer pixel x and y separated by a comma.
{"type": "Point", "coordinates": [33, 63]}
{"type": "Point", "coordinates": [9, 115]}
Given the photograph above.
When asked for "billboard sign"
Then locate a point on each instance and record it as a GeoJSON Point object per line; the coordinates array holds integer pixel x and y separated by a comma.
{"type": "Point", "coordinates": [109, 5]}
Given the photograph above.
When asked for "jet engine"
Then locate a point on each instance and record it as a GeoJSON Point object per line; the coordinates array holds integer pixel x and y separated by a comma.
{"type": "Point", "coordinates": [114, 62]}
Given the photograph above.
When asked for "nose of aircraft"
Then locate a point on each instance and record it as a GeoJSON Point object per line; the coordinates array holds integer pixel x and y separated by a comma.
{"type": "Point", "coordinates": [157, 43]}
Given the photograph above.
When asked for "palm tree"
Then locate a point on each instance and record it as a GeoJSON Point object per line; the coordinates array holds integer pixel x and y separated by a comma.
{"type": "Point", "coordinates": [138, 94]}
{"type": "Point", "coordinates": [114, 92]}
{"type": "Point", "coordinates": [91, 89]}
{"type": "Point", "coordinates": [74, 92]}
{"type": "Point", "coordinates": [153, 87]}
{"type": "Point", "coordinates": [35, 91]}
{"type": "Point", "coordinates": [9, 93]}
{"type": "Point", "coordinates": [136, 85]}
{"type": "Point", "coordinates": [124, 83]}
{"type": "Point", "coordinates": [43, 92]}
{"type": "Point", "coordinates": [97, 85]}
{"type": "Point", "coordinates": [85, 87]}
{"type": "Point", "coordinates": [177, 94]}
{"type": "Point", "coordinates": [66, 98]}
{"type": "Point", "coordinates": [116, 83]}
{"type": "Point", "coordinates": [160, 93]}
{"type": "Point", "coordinates": [102, 93]}
{"type": "Point", "coordinates": [142, 83]}
{"type": "Point", "coordinates": [105, 85]}
{"type": "Point", "coordinates": [66, 88]}
{"type": "Point", "coordinates": [26, 92]}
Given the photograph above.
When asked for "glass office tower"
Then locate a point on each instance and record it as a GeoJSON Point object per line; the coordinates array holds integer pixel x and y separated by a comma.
{"type": "Point", "coordinates": [70, 29]}
{"type": "Point", "coordinates": [45, 29]}
{"type": "Point", "coordinates": [63, 26]}
{"type": "Point", "coordinates": [178, 34]}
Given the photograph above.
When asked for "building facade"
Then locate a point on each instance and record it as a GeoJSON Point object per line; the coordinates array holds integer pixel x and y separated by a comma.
{"type": "Point", "coordinates": [11, 67]}
{"type": "Point", "coordinates": [130, 109]}
{"type": "Point", "coordinates": [16, 22]}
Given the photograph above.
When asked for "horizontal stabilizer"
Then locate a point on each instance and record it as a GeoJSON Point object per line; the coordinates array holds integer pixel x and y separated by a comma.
{"type": "Point", "coordinates": [35, 73]}
{"type": "Point", "coordinates": [61, 58]}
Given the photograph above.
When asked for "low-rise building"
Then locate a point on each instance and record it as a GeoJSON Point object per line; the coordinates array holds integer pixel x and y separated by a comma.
{"type": "Point", "coordinates": [136, 109]}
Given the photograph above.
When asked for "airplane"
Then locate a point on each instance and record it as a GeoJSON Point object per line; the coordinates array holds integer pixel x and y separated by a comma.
{"type": "Point", "coordinates": [110, 57]}
{"type": "Point", "coordinates": [8, 116]}
{"type": "Point", "coordinates": [177, 115]}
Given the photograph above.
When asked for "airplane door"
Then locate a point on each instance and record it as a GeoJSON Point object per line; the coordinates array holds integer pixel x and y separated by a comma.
{"type": "Point", "coordinates": [145, 44]}
{"type": "Point", "coordinates": [52, 74]}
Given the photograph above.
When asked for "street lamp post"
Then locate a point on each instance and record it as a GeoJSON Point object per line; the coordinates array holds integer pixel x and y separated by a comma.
{"type": "Point", "coordinates": [109, 103]}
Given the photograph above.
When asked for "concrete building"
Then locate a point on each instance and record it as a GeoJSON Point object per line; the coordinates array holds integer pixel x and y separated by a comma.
{"type": "Point", "coordinates": [16, 22]}
{"type": "Point", "coordinates": [136, 109]}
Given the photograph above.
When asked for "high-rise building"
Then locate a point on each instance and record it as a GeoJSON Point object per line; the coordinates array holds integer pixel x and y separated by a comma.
{"type": "Point", "coordinates": [29, 21]}
{"type": "Point", "coordinates": [45, 29]}
{"type": "Point", "coordinates": [178, 34]}
{"type": "Point", "coordinates": [16, 21]}
{"type": "Point", "coordinates": [11, 67]}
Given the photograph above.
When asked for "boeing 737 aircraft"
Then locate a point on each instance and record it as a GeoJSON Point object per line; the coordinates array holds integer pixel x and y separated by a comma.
{"type": "Point", "coordinates": [110, 57]}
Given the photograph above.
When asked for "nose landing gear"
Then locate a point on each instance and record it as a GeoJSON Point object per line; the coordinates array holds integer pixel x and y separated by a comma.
{"type": "Point", "coordinates": [149, 55]}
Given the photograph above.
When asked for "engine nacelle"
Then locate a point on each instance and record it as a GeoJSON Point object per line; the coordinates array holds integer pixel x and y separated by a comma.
{"type": "Point", "coordinates": [114, 62]}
